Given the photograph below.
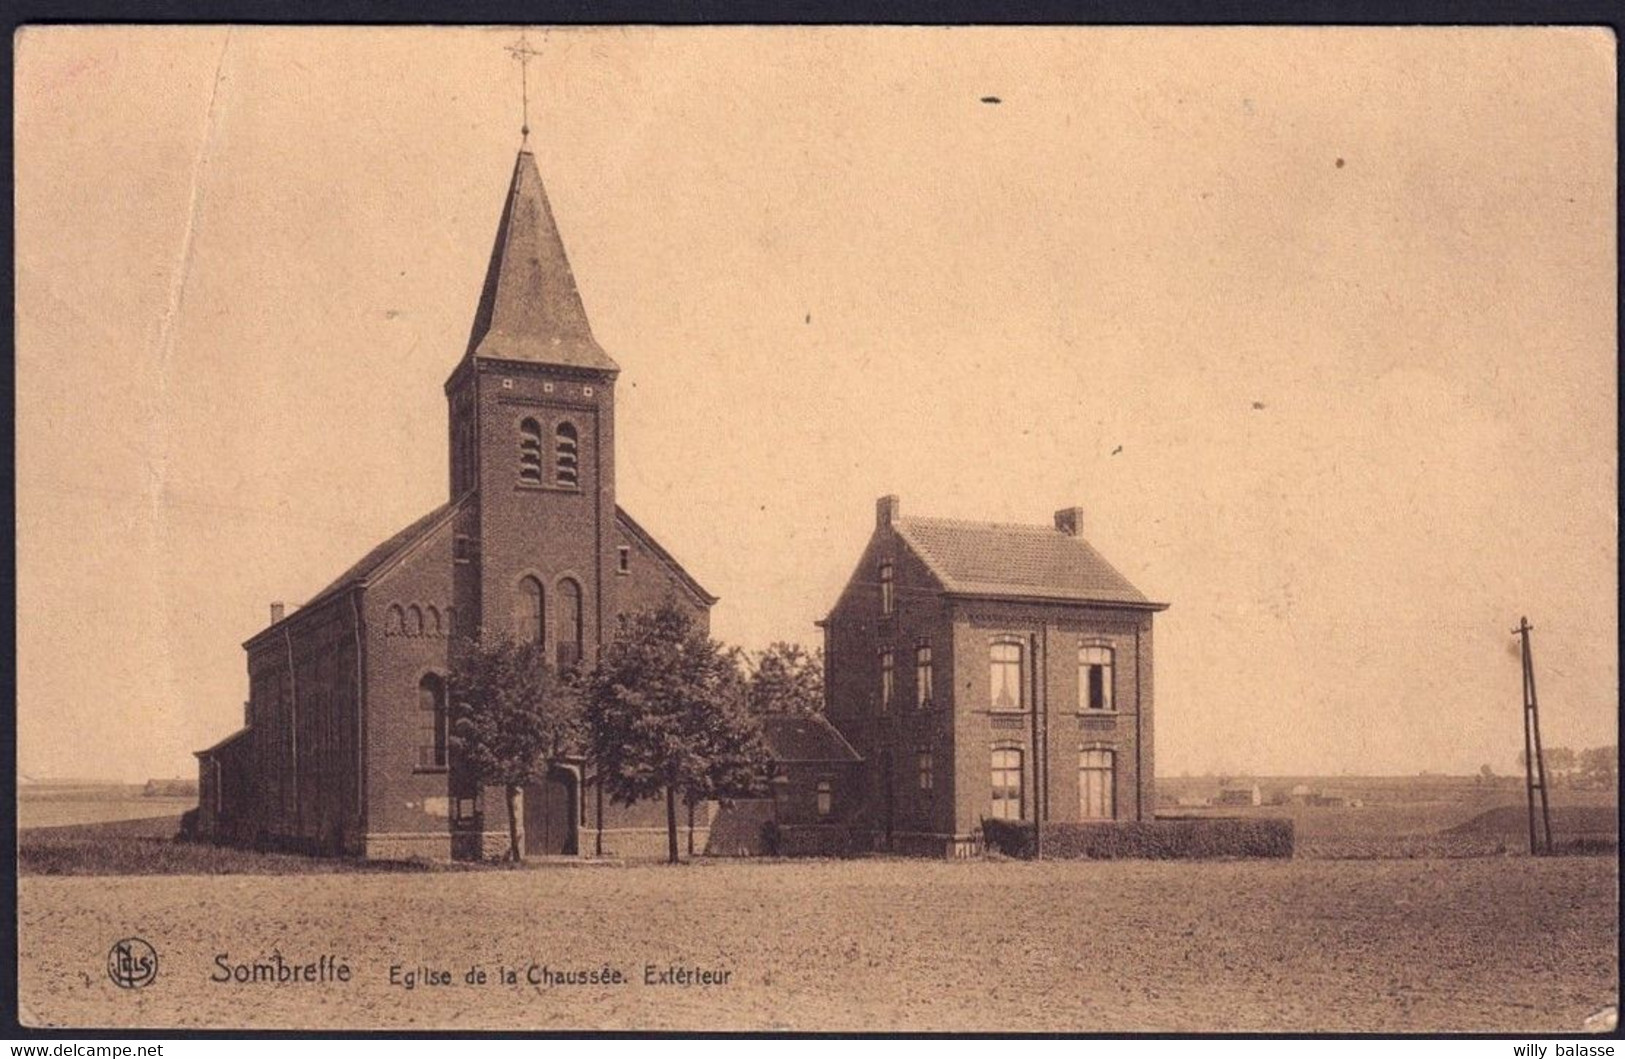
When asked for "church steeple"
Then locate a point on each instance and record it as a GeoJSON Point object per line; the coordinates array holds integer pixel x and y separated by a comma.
{"type": "Point", "coordinates": [529, 308]}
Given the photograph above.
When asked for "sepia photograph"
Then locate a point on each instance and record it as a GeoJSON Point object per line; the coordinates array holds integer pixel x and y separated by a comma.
{"type": "Point", "coordinates": [790, 529]}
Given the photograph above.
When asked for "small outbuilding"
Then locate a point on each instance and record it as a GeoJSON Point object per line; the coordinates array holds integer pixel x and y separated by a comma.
{"type": "Point", "coordinates": [1240, 794]}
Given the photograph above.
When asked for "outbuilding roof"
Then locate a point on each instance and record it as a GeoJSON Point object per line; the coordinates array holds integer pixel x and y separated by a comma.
{"type": "Point", "coordinates": [994, 559]}
{"type": "Point", "coordinates": [793, 738]}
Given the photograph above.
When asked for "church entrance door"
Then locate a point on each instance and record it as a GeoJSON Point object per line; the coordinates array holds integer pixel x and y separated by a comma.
{"type": "Point", "coordinates": [550, 815]}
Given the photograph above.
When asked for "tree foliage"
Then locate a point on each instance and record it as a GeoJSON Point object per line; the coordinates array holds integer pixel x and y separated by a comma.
{"type": "Point", "coordinates": [786, 678]}
{"type": "Point", "coordinates": [1600, 765]}
{"type": "Point", "coordinates": [667, 715]}
{"type": "Point", "coordinates": [511, 716]}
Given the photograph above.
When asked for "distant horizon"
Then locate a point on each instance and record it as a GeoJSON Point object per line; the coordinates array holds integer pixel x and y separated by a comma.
{"type": "Point", "coordinates": [1239, 774]}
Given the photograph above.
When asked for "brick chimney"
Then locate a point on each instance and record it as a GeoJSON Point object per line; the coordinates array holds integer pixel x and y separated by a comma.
{"type": "Point", "coordinates": [276, 612]}
{"type": "Point", "coordinates": [1069, 520]}
{"type": "Point", "coordinates": [887, 510]}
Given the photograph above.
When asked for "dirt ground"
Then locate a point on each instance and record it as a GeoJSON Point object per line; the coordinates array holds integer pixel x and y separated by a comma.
{"type": "Point", "coordinates": [1506, 945]}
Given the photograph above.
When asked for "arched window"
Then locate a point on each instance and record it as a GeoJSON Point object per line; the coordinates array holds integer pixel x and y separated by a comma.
{"type": "Point", "coordinates": [567, 457]}
{"type": "Point", "coordinates": [431, 621]}
{"type": "Point", "coordinates": [395, 624]}
{"type": "Point", "coordinates": [530, 452]}
{"type": "Point", "coordinates": [414, 621]}
{"type": "Point", "coordinates": [1097, 769]}
{"type": "Point", "coordinates": [569, 630]}
{"type": "Point", "coordinates": [527, 611]}
{"type": "Point", "coordinates": [1007, 785]}
{"type": "Point", "coordinates": [826, 797]}
{"type": "Point", "coordinates": [451, 621]}
{"type": "Point", "coordinates": [431, 722]}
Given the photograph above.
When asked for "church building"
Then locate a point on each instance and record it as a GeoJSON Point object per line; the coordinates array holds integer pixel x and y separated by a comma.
{"type": "Point", "coordinates": [344, 744]}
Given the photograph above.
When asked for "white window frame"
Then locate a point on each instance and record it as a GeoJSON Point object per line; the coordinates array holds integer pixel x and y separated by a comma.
{"type": "Point", "coordinates": [1097, 783]}
{"type": "Point", "coordinates": [996, 667]}
{"type": "Point", "coordinates": [1092, 657]}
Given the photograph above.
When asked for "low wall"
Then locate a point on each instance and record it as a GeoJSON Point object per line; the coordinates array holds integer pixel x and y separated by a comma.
{"type": "Point", "coordinates": [1175, 839]}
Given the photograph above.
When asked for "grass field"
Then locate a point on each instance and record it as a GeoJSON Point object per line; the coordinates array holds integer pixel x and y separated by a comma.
{"type": "Point", "coordinates": [1493, 944]}
{"type": "Point", "coordinates": [1412, 913]}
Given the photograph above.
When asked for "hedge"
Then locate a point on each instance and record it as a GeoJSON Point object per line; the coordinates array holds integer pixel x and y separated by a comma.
{"type": "Point", "coordinates": [1187, 839]}
{"type": "Point", "coordinates": [810, 840]}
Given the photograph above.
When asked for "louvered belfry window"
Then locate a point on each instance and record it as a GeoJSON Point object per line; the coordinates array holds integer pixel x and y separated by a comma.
{"type": "Point", "coordinates": [567, 455]}
{"type": "Point", "coordinates": [530, 452]}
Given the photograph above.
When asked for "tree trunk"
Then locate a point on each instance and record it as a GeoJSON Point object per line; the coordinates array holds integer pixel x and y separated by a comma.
{"type": "Point", "coordinates": [671, 824]}
{"type": "Point", "coordinates": [516, 823]}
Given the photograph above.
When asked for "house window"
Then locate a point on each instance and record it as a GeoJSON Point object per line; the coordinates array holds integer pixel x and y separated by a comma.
{"type": "Point", "coordinates": [1095, 678]}
{"type": "Point", "coordinates": [1005, 667]}
{"type": "Point", "coordinates": [569, 630]}
{"type": "Point", "coordinates": [530, 452]}
{"type": "Point", "coordinates": [888, 593]}
{"type": "Point", "coordinates": [1006, 785]}
{"type": "Point", "coordinates": [414, 620]}
{"type": "Point", "coordinates": [527, 611]}
{"type": "Point", "coordinates": [624, 558]}
{"type": "Point", "coordinates": [826, 798]}
{"type": "Point", "coordinates": [923, 758]}
{"type": "Point", "coordinates": [567, 456]}
{"type": "Point", "coordinates": [923, 676]}
{"type": "Point", "coordinates": [888, 680]}
{"type": "Point", "coordinates": [431, 722]}
{"type": "Point", "coordinates": [1096, 775]}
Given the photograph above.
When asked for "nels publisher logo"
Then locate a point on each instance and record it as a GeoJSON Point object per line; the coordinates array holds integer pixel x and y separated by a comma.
{"type": "Point", "coordinates": [132, 963]}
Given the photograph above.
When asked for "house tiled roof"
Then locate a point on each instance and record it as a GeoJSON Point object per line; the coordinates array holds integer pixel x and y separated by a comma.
{"type": "Point", "coordinates": [792, 739]}
{"type": "Point", "coordinates": [530, 309]}
{"type": "Point", "coordinates": [988, 559]}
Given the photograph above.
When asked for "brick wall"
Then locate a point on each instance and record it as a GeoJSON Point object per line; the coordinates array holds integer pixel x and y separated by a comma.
{"type": "Point", "coordinates": [856, 633]}
{"type": "Point", "coordinates": [1051, 636]}
{"type": "Point", "coordinates": [404, 795]}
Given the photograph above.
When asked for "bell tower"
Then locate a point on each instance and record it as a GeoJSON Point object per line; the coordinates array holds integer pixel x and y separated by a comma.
{"type": "Point", "coordinates": [532, 438]}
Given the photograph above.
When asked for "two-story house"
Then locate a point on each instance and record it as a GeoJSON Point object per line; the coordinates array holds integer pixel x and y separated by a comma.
{"type": "Point", "coordinates": [987, 670]}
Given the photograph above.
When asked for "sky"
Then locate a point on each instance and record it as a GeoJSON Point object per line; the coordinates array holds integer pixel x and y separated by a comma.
{"type": "Point", "coordinates": [1317, 325]}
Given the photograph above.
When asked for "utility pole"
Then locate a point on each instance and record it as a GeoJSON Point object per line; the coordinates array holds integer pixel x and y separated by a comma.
{"type": "Point", "coordinates": [1534, 761]}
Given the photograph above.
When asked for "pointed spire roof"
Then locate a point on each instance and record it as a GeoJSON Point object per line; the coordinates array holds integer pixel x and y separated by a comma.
{"type": "Point", "coordinates": [529, 308]}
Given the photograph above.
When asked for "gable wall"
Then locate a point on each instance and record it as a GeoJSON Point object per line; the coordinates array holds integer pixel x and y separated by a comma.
{"type": "Point", "coordinates": [855, 634]}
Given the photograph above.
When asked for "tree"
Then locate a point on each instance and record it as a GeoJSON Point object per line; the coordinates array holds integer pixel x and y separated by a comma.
{"type": "Point", "coordinates": [1560, 761]}
{"type": "Point", "coordinates": [511, 717]}
{"type": "Point", "coordinates": [1486, 774]}
{"type": "Point", "coordinates": [1600, 765]}
{"type": "Point", "coordinates": [667, 715]}
{"type": "Point", "coordinates": [786, 678]}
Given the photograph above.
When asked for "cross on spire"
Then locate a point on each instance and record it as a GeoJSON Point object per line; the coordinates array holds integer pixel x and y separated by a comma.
{"type": "Point", "coordinates": [523, 52]}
